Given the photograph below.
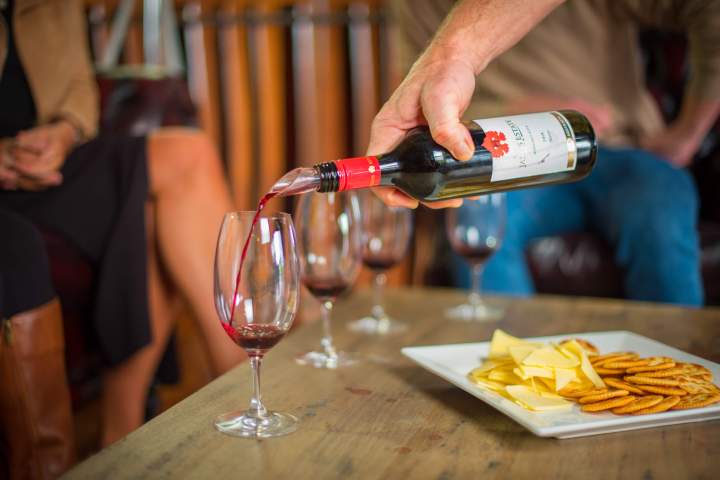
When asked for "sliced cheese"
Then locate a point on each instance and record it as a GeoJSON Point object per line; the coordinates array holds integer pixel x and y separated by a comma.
{"type": "Point", "coordinates": [530, 371]}
{"type": "Point", "coordinates": [500, 343]}
{"type": "Point", "coordinates": [484, 382]}
{"type": "Point", "coordinates": [585, 364]}
{"type": "Point", "coordinates": [535, 401]}
{"type": "Point", "coordinates": [548, 357]}
{"type": "Point", "coordinates": [519, 352]}
{"type": "Point", "coordinates": [563, 376]}
{"type": "Point", "coordinates": [504, 377]}
{"type": "Point", "coordinates": [489, 365]}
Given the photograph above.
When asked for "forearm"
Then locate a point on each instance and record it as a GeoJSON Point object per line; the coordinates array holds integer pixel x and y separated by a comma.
{"type": "Point", "coordinates": [477, 31]}
{"type": "Point", "coordinates": [696, 118]}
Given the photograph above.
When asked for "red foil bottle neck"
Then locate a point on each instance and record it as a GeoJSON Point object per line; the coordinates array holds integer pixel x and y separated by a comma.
{"type": "Point", "coordinates": [357, 172]}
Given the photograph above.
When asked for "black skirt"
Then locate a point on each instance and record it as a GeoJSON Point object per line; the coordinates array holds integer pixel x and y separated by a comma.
{"type": "Point", "coordinates": [100, 209]}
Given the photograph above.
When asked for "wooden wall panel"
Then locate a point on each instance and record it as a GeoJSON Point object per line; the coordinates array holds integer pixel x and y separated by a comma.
{"type": "Point", "coordinates": [202, 71]}
{"type": "Point", "coordinates": [268, 41]}
{"type": "Point", "coordinates": [331, 51]}
{"type": "Point", "coordinates": [236, 94]}
{"type": "Point", "coordinates": [306, 95]}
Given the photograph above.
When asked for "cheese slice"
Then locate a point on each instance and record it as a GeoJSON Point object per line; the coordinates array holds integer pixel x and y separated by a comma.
{"type": "Point", "coordinates": [519, 352]}
{"type": "Point", "coordinates": [563, 376]}
{"type": "Point", "coordinates": [530, 371]}
{"type": "Point", "coordinates": [548, 357]}
{"type": "Point", "coordinates": [489, 365]}
{"type": "Point", "coordinates": [585, 364]}
{"type": "Point", "coordinates": [504, 377]}
{"type": "Point", "coordinates": [484, 382]}
{"type": "Point", "coordinates": [535, 401]}
{"type": "Point", "coordinates": [500, 343]}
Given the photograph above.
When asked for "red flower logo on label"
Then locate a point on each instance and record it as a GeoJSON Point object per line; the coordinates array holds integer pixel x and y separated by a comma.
{"type": "Point", "coordinates": [495, 143]}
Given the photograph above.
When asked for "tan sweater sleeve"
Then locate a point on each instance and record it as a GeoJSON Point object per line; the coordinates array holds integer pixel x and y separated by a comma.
{"type": "Point", "coordinates": [700, 19]}
{"type": "Point", "coordinates": [80, 105]}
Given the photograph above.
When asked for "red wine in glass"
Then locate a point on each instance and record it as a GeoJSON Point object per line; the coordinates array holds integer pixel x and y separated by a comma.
{"type": "Point", "coordinates": [326, 289]}
{"type": "Point", "coordinates": [475, 254]}
{"type": "Point", "coordinates": [256, 339]}
{"type": "Point", "coordinates": [381, 262]}
{"type": "Point", "coordinates": [257, 307]}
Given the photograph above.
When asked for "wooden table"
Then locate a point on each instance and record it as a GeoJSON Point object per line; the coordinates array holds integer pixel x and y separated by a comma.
{"type": "Point", "coordinates": [388, 418]}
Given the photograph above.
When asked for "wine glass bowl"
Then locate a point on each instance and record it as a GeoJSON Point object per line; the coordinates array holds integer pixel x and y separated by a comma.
{"type": "Point", "coordinates": [329, 251]}
{"type": "Point", "coordinates": [386, 233]}
{"type": "Point", "coordinates": [256, 298]}
{"type": "Point", "coordinates": [475, 231]}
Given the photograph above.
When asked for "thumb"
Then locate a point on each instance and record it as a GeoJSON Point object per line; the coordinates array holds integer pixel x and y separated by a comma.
{"type": "Point", "coordinates": [442, 112]}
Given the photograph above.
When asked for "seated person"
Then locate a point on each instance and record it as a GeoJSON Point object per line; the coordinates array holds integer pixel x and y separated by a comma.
{"type": "Point", "coordinates": [35, 418]}
{"type": "Point", "coordinates": [585, 56]}
{"type": "Point", "coordinates": [143, 210]}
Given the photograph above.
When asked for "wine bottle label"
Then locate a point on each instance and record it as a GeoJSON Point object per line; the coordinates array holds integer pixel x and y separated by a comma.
{"type": "Point", "coordinates": [529, 145]}
{"type": "Point", "coordinates": [358, 172]}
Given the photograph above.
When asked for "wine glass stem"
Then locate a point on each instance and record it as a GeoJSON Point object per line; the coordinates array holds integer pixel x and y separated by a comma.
{"type": "Point", "coordinates": [378, 309]}
{"type": "Point", "coordinates": [327, 342]}
{"type": "Point", "coordinates": [474, 298]}
{"type": "Point", "coordinates": [257, 409]}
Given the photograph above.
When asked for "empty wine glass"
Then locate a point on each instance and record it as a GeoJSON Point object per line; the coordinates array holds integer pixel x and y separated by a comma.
{"type": "Point", "coordinates": [256, 298]}
{"type": "Point", "coordinates": [475, 231]}
{"type": "Point", "coordinates": [329, 246]}
{"type": "Point", "coordinates": [386, 233]}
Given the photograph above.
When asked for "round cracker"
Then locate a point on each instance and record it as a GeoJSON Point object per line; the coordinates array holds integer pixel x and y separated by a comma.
{"type": "Point", "coordinates": [651, 368]}
{"type": "Point", "coordinates": [608, 404]}
{"type": "Point", "coordinates": [694, 385]}
{"type": "Point", "coordinates": [666, 404]}
{"type": "Point", "coordinates": [613, 357]}
{"type": "Point", "coordinates": [696, 401]}
{"type": "Point", "coordinates": [603, 396]}
{"type": "Point", "coordinates": [669, 372]}
{"type": "Point", "coordinates": [626, 363]}
{"type": "Point", "coordinates": [609, 371]}
{"type": "Point", "coordinates": [659, 390]}
{"type": "Point", "coordinates": [581, 393]}
{"type": "Point", "coordinates": [662, 382]}
{"type": "Point", "coordinates": [622, 385]}
{"type": "Point", "coordinates": [639, 404]}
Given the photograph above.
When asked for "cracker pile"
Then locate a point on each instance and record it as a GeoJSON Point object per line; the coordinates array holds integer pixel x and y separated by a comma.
{"type": "Point", "coordinates": [639, 386]}
{"type": "Point", "coordinates": [552, 377]}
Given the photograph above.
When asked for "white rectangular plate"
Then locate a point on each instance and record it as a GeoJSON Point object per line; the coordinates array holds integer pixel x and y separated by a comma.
{"type": "Point", "coordinates": [453, 362]}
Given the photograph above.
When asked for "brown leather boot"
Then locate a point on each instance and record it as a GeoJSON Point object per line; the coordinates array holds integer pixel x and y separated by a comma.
{"type": "Point", "coordinates": [34, 397]}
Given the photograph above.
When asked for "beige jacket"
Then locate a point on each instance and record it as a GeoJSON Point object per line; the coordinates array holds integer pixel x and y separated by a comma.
{"type": "Point", "coordinates": [585, 49]}
{"type": "Point", "coordinates": [51, 40]}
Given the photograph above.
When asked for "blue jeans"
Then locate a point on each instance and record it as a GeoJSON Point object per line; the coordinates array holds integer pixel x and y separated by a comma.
{"type": "Point", "coordinates": [640, 204]}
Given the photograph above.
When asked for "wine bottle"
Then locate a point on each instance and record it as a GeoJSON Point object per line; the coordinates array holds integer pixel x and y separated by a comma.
{"type": "Point", "coordinates": [511, 152]}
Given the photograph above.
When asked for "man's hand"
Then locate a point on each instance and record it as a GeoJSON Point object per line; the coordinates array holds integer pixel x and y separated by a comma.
{"type": "Point", "coordinates": [677, 147]}
{"type": "Point", "coordinates": [433, 93]}
{"type": "Point", "coordinates": [679, 142]}
{"type": "Point", "coordinates": [39, 153]}
{"type": "Point", "coordinates": [440, 85]}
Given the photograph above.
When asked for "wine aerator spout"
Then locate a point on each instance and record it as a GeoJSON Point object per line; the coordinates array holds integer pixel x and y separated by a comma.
{"type": "Point", "coordinates": [297, 181]}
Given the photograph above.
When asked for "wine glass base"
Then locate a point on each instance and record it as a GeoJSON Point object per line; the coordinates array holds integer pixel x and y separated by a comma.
{"type": "Point", "coordinates": [474, 313]}
{"type": "Point", "coordinates": [374, 326]}
{"type": "Point", "coordinates": [323, 360]}
{"type": "Point", "coordinates": [241, 424]}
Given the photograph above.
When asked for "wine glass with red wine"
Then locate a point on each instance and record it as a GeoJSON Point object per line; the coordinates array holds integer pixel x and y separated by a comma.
{"type": "Point", "coordinates": [329, 249]}
{"type": "Point", "coordinates": [256, 297]}
{"type": "Point", "coordinates": [475, 231]}
{"type": "Point", "coordinates": [386, 233]}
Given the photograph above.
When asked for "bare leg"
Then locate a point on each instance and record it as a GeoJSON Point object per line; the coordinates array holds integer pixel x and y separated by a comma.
{"type": "Point", "coordinates": [191, 197]}
{"type": "Point", "coordinates": [125, 387]}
